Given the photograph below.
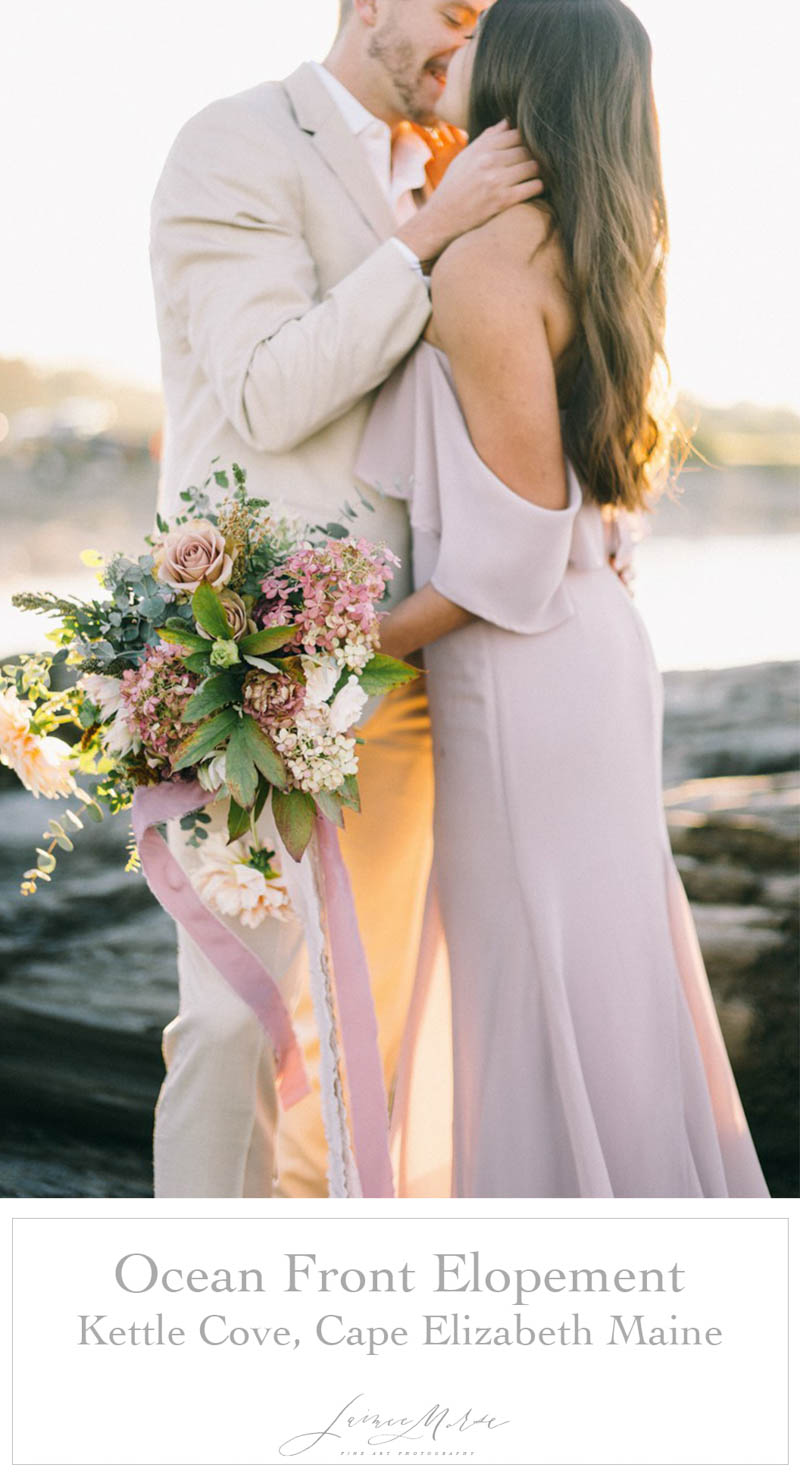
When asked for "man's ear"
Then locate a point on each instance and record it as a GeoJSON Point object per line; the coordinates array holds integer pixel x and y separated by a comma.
{"type": "Point", "coordinates": [366, 10]}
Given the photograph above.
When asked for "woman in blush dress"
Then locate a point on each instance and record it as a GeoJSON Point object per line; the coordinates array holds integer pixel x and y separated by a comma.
{"type": "Point", "coordinates": [587, 1058]}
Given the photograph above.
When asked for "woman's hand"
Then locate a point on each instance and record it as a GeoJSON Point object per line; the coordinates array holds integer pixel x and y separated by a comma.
{"type": "Point", "coordinates": [492, 173]}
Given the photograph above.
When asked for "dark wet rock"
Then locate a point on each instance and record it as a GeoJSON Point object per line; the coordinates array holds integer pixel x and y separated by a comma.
{"type": "Point", "coordinates": [736, 844]}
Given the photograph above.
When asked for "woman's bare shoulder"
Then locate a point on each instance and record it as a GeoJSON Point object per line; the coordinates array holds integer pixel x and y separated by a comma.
{"type": "Point", "coordinates": [506, 273]}
{"type": "Point", "coordinates": [515, 238]}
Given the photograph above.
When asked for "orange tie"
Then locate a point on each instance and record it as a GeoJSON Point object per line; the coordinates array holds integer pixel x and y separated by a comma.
{"type": "Point", "coordinates": [445, 142]}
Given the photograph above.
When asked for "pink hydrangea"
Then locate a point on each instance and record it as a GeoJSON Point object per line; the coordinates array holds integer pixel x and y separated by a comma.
{"type": "Point", "coordinates": [340, 583]}
{"type": "Point", "coordinates": [156, 694]}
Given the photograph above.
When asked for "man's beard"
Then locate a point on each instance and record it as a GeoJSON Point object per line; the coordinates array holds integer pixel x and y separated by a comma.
{"type": "Point", "coordinates": [396, 55]}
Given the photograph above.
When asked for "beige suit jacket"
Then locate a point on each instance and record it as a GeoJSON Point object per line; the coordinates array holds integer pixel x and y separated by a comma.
{"type": "Point", "coordinates": [281, 304]}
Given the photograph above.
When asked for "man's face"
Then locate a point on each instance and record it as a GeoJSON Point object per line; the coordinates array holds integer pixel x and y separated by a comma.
{"type": "Point", "coordinates": [414, 42]}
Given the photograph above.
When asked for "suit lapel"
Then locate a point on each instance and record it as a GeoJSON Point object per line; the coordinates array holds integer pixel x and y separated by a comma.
{"type": "Point", "coordinates": [318, 116]}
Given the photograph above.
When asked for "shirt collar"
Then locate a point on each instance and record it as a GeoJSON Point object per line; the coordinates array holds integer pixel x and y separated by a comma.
{"type": "Point", "coordinates": [355, 115]}
{"type": "Point", "coordinates": [406, 161]}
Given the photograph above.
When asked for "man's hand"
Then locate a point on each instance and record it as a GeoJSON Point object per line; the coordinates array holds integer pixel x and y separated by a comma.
{"type": "Point", "coordinates": [492, 173]}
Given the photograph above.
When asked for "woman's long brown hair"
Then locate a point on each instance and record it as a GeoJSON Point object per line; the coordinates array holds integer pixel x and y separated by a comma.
{"type": "Point", "coordinates": [574, 76]}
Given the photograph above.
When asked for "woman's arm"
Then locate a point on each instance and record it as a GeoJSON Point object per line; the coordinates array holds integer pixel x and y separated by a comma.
{"type": "Point", "coordinates": [419, 620]}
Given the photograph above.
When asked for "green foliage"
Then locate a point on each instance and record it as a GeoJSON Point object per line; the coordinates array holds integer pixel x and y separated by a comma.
{"type": "Point", "coordinates": [266, 641]}
{"type": "Point", "coordinates": [239, 819]}
{"type": "Point", "coordinates": [209, 612]}
{"type": "Point", "coordinates": [348, 794]}
{"type": "Point", "coordinates": [263, 753]}
{"type": "Point", "coordinates": [383, 673]}
{"type": "Point", "coordinates": [294, 814]}
{"type": "Point", "coordinates": [196, 825]}
{"type": "Point", "coordinates": [329, 806]}
{"type": "Point", "coordinates": [186, 637]}
{"type": "Point", "coordinates": [208, 735]}
{"type": "Point", "coordinates": [240, 769]}
{"type": "Point", "coordinates": [215, 693]}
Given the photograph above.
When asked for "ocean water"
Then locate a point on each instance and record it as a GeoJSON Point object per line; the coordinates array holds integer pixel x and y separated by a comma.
{"type": "Point", "coordinates": [717, 572]}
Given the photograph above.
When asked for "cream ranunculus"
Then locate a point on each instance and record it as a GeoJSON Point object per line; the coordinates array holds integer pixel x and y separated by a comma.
{"type": "Point", "coordinates": [226, 883]}
{"type": "Point", "coordinates": [321, 675]}
{"type": "Point", "coordinates": [193, 553]}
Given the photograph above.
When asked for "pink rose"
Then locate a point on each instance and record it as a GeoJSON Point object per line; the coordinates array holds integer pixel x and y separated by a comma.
{"type": "Point", "coordinates": [193, 553]}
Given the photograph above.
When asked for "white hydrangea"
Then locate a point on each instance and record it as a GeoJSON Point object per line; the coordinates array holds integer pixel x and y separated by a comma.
{"type": "Point", "coordinates": [318, 758]}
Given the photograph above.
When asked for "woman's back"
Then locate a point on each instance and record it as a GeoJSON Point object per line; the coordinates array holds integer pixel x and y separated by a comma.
{"type": "Point", "coordinates": [503, 315]}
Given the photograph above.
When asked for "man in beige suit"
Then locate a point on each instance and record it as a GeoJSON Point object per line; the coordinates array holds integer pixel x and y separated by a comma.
{"type": "Point", "coordinates": [290, 230]}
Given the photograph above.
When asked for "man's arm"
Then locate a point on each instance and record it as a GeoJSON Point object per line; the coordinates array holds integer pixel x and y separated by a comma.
{"type": "Point", "coordinates": [230, 260]}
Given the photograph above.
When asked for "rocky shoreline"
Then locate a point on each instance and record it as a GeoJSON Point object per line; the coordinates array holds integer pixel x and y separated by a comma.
{"type": "Point", "coordinates": [88, 973]}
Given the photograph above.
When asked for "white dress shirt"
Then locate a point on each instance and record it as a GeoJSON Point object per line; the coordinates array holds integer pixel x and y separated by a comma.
{"type": "Point", "coordinates": [399, 170]}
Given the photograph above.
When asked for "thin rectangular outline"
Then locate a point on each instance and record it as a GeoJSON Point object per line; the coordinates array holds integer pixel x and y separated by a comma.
{"type": "Point", "coordinates": [409, 1218]}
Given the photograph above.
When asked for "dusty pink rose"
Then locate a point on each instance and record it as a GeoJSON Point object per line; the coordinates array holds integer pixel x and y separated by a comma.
{"type": "Point", "coordinates": [193, 553]}
{"type": "Point", "coordinates": [236, 612]}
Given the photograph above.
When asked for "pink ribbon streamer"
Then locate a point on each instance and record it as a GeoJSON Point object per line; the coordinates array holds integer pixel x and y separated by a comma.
{"type": "Point", "coordinates": [239, 965]}
{"type": "Point", "coordinates": [357, 1020]}
{"type": "Point", "coordinates": [247, 976]}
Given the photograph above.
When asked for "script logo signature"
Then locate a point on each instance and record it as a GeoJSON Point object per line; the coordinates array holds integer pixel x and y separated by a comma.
{"type": "Point", "coordinates": [349, 1423]}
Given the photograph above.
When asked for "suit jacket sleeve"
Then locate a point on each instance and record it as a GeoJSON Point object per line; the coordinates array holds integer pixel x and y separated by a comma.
{"type": "Point", "coordinates": [231, 264]}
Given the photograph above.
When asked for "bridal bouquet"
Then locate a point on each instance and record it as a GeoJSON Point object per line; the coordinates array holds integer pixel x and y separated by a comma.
{"type": "Point", "coordinates": [238, 651]}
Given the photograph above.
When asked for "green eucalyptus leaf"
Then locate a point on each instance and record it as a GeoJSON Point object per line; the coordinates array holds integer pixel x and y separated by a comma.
{"type": "Point", "coordinates": [153, 607]}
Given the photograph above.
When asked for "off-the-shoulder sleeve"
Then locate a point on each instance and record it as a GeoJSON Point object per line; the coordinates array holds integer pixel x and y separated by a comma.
{"type": "Point", "coordinates": [500, 556]}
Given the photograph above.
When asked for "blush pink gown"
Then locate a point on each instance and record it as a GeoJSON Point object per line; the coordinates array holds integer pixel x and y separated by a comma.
{"type": "Point", "coordinates": [579, 1053]}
